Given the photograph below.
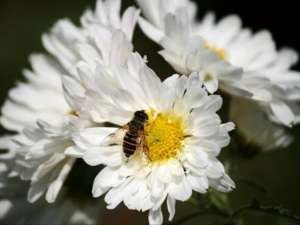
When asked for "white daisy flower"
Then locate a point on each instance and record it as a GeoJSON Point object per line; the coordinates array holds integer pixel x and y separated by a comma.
{"type": "Point", "coordinates": [107, 14]}
{"type": "Point", "coordinates": [268, 76]}
{"type": "Point", "coordinates": [267, 79]}
{"type": "Point", "coordinates": [41, 157]}
{"type": "Point", "coordinates": [171, 24]}
{"type": "Point", "coordinates": [158, 140]}
{"type": "Point", "coordinates": [63, 39]}
{"type": "Point", "coordinates": [39, 99]}
{"type": "Point", "coordinates": [41, 146]}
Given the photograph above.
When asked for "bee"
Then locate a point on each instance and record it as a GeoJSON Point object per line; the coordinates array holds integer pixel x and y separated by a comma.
{"type": "Point", "coordinates": [134, 136]}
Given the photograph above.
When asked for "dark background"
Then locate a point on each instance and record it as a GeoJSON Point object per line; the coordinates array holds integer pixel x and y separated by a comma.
{"type": "Point", "coordinates": [23, 21]}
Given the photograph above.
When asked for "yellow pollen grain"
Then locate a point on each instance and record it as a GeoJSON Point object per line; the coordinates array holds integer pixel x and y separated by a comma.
{"type": "Point", "coordinates": [164, 136]}
{"type": "Point", "coordinates": [219, 51]}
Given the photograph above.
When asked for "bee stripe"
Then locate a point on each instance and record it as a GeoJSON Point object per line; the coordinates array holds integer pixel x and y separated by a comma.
{"type": "Point", "coordinates": [129, 135]}
{"type": "Point", "coordinates": [133, 142]}
{"type": "Point", "coordinates": [128, 151]}
{"type": "Point", "coordinates": [129, 145]}
{"type": "Point", "coordinates": [130, 140]}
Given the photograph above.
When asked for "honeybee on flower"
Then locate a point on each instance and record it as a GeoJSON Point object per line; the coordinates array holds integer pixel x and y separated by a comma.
{"type": "Point", "coordinates": [93, 99]}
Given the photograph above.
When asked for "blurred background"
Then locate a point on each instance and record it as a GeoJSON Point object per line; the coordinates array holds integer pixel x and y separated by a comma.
{"type": "Point", "coordinates": [23, 22]}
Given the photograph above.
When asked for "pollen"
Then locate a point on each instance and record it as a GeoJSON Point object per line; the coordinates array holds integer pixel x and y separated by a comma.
{"type": "Point", "coordinates": [220, 52]}
{"type": "Point", "coordinates": [164, 137]}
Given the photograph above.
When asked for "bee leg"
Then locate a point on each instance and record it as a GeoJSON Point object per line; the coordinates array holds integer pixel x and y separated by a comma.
{"type": "Point", "coordinates": [144, 144]}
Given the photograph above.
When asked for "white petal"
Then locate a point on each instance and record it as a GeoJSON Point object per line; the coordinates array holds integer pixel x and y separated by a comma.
{"type": "Point", "coordinates": [93, 136]}
{"type": "Point", "coordinates": [55, 186]}
{"type": "Point", "coordinates": [151, 31]}
{"type": "Point", "coordinates": [283, 113]}
{"type": "Point", "coordinates": [120, 49]}
{"type": "Point", "coordinates": [74, 152]}
{"type": "Point", "coordinates": [180, 191]}
{"type": "Point", "coordinates": [152, 86]}
{"type": "Point", "coordinates": [109, 155]}
{"type": "Point", "coordinates": [215, 170]}
{"type": "Point", "coordinates": [104, 180]}
{"type": "Point", "coordinates": [199, 184]}
{"type": "Point", "coordinates": [129, 20]}
{"type": "Point", "coordinates": [48, 166]}
{"type": "Point", "coordinates": [155, 217]}
{"type": "Point", "coordinates": [211, 83]}
{"type": "Point", "coordinates": [171, 207]}
{"type": "Point", "coordinates": [5, 207]}
{"type": "Point", "coordinates": [155, 185]}
{"type": "Point", "coordinates": [36, 190]}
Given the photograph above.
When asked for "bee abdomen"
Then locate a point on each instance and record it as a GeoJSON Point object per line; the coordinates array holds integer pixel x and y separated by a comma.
{"type": "Point", "coordinates": [129, 144]}
{"type": "Point", "coordinates": [129, 148]}
{"type": "Point", "coordinates": [129, 138]}
{"type": "Point", "coordinates": [135, 127]}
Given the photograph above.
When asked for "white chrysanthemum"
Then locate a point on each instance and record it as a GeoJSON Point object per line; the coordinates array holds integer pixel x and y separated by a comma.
{"type": "Point", "coordinates": [171, 25]}
{"type": "Point", "coordinates": [40, 99]}
{"type": "Point", "coordinates": [268, 79]}
{"type": "Point", "coordinates": [182, 137]}
{"type": "Point", "coordinates": [63, 41]}
{"type": "Point", "coordinates": [41, 157]}
{"type": "Point", "coordinates": [107, 14]}
{"type": "Point", "coordinates": [41, 146]}
{"type": "Point", "coordinates": [268, 75]}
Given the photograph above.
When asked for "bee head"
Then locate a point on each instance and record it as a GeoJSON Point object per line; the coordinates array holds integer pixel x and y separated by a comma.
{"type": "Point", "coordinates": [141, 115]}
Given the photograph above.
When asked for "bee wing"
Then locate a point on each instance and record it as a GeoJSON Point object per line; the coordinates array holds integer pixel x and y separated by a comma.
{"type": "Point", "coordinates": [115, 138]}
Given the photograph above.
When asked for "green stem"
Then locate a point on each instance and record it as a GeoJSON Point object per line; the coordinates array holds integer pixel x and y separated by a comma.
{"type": "Point", "coordinates": [273, 210]}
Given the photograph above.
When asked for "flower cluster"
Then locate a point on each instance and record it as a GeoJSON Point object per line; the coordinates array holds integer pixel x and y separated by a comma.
{"type": "Point", "coordinates": [92, 97]}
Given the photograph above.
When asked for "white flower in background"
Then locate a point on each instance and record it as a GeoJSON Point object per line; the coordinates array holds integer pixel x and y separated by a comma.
{"type": "Point", "coordinates": [63, 39]}
{"type": "Point", "coordinates": [39, 107]}
{"type": "Point", "coordinates": [41, 157]}
{"type": "Point", "coordinates": [171, 25]}
{"type": "Point", "coordinates": [267, 79]}
{"type": "Point", "coordinates": [267, 74]}
{"type": "Point", "coordinates": [177, 145]}
{"type": "Point", "coordinates": [39, 99]}
{"type": "Point", "coordinates": [107, 14]}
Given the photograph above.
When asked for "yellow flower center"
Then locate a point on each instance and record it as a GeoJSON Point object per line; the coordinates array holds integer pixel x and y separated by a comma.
{"type": "Point", "coordinates": [219, 51]}
{"type": "Point", "coordinates": [164, 135]}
